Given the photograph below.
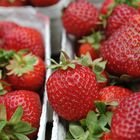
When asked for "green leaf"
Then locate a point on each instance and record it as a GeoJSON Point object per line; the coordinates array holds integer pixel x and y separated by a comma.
{"type": "Point", "coordinates": [113, 103]}
{"type": "Point", "coordinates": [16, 116]}
{"type": "Point", "coordinates": [5, 56]}
{"type": "Point", "coordinates": [64, 58]}
{"type": "Point", "coordinates": [103, 122]}
{"type": "Point", "coordinates": [68, 136]}
{"type": "Point", "coordinates": [100, 78]}
{"type": "Point", "coordinates": [91, 121]}
{"type": "Point", "coordinates": [101, 107]}
{"type": "Point", "coordinates": [3, 114]}
{"type": "Point", "coordinates": [53, 67]}
{"type": "Point", "coordinates": [83, 122]}
{"type": "Point", "coordinates": [99, 65]}
{"type": "Point", "coordinates": [76, 130]}
{"type": "Point", "coordinates": [3, 136]}
{"type": "Point", "coordinates": [71, 66]}
{"type": "Point", "coordinates": [24, 128]}
{"type": "Point", "coordinates": [21, 136]}
{"type": "Point", "coordinates": [97, 130]}
{"type": "Point", "coordinates": [84, 136]}
{"type": "Point", "coordinates": [2, 124]}
{"type": "Point", "coordinates": [109, 117]}
{"type": "Point", "coordinates": [0, 74]}
{"type": "Point", "coordinates": [85, 60]}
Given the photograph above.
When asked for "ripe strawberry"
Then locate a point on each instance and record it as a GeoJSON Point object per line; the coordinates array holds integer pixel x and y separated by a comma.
{"type": "Point", "coordinates": [106, 136]}
{"type": "Point", "coordinates": [121, 49]}
{"type": "Point", "coordinates": [24, 38]}
{"type": "Point", "coordinates": [72, 89]}
{"type": "Point", "coordinates": [105, 6]}
{"type": "Point", "coordinates": [126, 121]}
{"type": "Point", "coordinates": [26, 72]}
{"type": "Point", "coordinates": [90, 44]}
{"type": "Point", "coordinates": [8, 3]}
{"type": "Point", "coordinates": [43, 3]}
{"type": "Point", "coordinates": [31, 105]}
{"type": "Point", "coordinates": [87, 47]}
{"type": "Point", "coordinates": [119, 17]}
{"type": "Point", "coordinates": [80, 18]}
{"type": "Point", "coordinates": [114, 93]}
{"type": "Point", "coordinates": [6, 27]}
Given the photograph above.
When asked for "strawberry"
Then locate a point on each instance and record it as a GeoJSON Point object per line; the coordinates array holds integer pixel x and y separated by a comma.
{"type": "Point", "coordinates": [121, 49]}
{"type": "Point", "coordinates": [90, 44]}
{"type": "Point", "coordinates": [24, 38]}
{"type": "Point", "coordinates": [106, 136]}
{"type": "Point", "coordinates": [126, 121]}
{"type": "Point", "coordinates": [87, 47]}
{"type": "Point", "coordinates": [8, 3]}
{"type": "Point", "coordinates": [72, 89]}
{"type": "Point", "coordinates": [27, 106]}
{"type": "Point", "coordinates": [105, 6]}
{"type": "Point", "coordinates": [6, 26]}
{"type": "Point", "coordinates": [43, 3]}
{"type": "Point", "coordinates": [26, 72]}
{"type": "Point", "coordinates": [119, 17]}
{"type": "Point", "coordinates": [80, 18]}
{"type": "Point", "coordinates": [114, 93]}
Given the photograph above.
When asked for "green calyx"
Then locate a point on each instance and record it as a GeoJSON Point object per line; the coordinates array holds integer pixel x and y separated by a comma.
{"type": "Point", "coordinates": [64, 64]}
{"type": "Point", "coordinates": [3, 84]}
{"type": "Point", "coordinates": [5, 56]}
{"type": "Point", "coordinates": [21, 64]}
{"type": "Point", "coordinates": [93, 126]}
{"type": "Point", "coordinates": [14, 129]}
{"type": "Point", "coordinates": [94, 39]}
{"type": "Point", "coordinates": [97, 66]}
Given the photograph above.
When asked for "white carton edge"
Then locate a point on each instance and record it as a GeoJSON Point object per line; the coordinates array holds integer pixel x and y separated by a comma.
{"type": "Point", "coordinates": [44, 115]}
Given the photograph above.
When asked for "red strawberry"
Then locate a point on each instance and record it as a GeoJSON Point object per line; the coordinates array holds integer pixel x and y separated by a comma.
{"type": "Point", "coordinates": [6, 26]}
{"type": "Point", "coordinates": [114, 93]}
{"type": "Point", "coordinates": [8, 3]}
{"type": "Point", "coordinates": [106, 136]}
{"type": "Point", "coordinates": [26, 72]}
{"type": "Point", "coordinates": [80, 18]}
{"type": "Point", "coordinates": [119, 17]}
{"type": "Point", "coordinates": [121, 50]}
{"type": "Point", "coordinates": [24, 38]}
{"type": "Point", "coordinates": [43, 3]}
{"type": "Point", "coordinates": [105, 6]}
{"type": "Point", "coordinates": [126, 119]}
{"type": "Point", "coordinates": [31, 105]}
{"type": "Point", "coordinates": [90, 44]}
{"type": "Point", "coordinates": [87, 47]}
{"type": "Point", "coordinates": [72, 89]}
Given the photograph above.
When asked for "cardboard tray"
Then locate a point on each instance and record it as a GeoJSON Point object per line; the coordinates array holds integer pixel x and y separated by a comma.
{"type": "Point", "coordinates": [28, 16]}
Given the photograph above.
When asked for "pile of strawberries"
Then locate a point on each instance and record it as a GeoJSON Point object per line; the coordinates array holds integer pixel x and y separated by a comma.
{"type": "Point", "coordinates": [38, 3]}
{"type": "Point", "coordinates": [98, 92]}
{"type": "Point", "coordinates": [22, 75]}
